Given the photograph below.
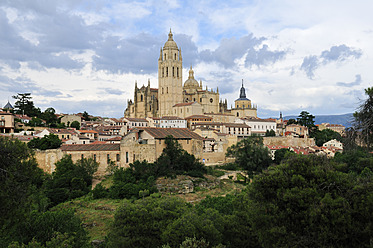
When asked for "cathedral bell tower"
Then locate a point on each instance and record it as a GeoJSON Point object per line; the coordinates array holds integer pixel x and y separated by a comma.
{"type": "Point", "coordinates": [169, 77]}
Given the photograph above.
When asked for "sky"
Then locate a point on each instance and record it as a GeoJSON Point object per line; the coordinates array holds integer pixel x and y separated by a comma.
{"type": "Point", "coordinates": [85, 55]}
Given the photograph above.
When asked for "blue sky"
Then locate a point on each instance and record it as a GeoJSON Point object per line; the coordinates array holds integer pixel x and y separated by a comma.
{"type": "Point", "coordinates": [85, 55]}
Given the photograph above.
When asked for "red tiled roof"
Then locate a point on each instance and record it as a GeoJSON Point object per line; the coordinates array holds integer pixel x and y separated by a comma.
{"type": "Point", "coordinates": [198, 117]}
{"type": "Point", "coordinates": [115, 139]}
{"type": "Point", "coordinates": [221, 124]}
{"type": "Point", "coordinates": [171, 118]}
{"type": "Point", "coordinates": [137, 119]}
{"type": "Point", "coordinates": [183, 104]}
{"type": "Point", "coordinates": [91, 147]}
{"type": "Point", "coordinates": [177, 133]}
{"type": "Point", "coordinates": [87, 131]}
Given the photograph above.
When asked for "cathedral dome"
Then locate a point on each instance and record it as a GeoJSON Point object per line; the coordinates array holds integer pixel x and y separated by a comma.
{"type": "Point", "coordinates": [191, 82]}
{"type": "Point", "coordinates": [170, 43]}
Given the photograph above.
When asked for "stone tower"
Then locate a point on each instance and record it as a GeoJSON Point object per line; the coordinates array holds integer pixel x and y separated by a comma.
{"type": "Point", "coordinates": [170, 82]}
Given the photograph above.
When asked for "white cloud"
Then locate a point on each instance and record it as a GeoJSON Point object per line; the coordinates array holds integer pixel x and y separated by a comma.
{"type": "Point", "coordinates": [78, 54]}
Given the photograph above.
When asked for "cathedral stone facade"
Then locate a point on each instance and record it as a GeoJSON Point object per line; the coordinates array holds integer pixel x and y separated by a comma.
{"type": "Point", "coordinates": [172, 98]}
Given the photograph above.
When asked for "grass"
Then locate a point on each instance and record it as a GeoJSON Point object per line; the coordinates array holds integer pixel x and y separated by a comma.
{"type": "Point", "coordinates": [98, 214]}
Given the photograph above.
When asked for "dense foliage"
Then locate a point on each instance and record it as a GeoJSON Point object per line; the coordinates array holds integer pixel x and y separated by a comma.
{"type": "Point", "coordinates": [70, 180]}
{"type": "Point", "coordinates": [19, 179]}
{"type": "Point", "coordinates": [363, 118]}
{"type": "Point", "coordinates": [50, 141]}
{"type": "Point", "coordinates": [24, 215]}
{"type": "Point", "coordinates": [251, 155]}
{"type": "Point", "coordinates": [307, 202]}
{"type": "Point", "coordinates": [324, 136]}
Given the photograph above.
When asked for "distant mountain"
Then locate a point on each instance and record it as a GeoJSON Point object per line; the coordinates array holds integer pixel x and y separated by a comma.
{"type": "Point", "coordinates": [344, 119]}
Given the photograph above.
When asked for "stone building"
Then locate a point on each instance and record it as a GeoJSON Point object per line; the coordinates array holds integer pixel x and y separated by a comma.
{"type": "Point", "coordinates": [6, 122]}
{"type": "Point", "coordinates": [243, 106]}
{"type": "Point", "coordinates": [173, 98]}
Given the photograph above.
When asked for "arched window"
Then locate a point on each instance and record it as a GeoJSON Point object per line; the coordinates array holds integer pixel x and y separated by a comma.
{"type": "Point", "coordinates": [166, 71]}
{"type": "Point", "coordinates": [165, 56]}
{"type": "Point", "coordinates": [238, 114]}
{"type": "Point", "coordinates": [167, 90]}
{"type": "Point", "coordinates": [175, 56]}
{"type": "Point", "coordinates": [162, 90]}
{"type": "Point", "coordinates": [173, 71]}
{"type": "Point", "coordinates": [162, 72]}
{"type": "Point", "coordinates": [142, 98]}
{"type": "Point", "coordinates": [177, 71]}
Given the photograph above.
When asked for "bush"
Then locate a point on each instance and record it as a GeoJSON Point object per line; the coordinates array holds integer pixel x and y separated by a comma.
{"type": "Point", "coordinates": [100, 192]}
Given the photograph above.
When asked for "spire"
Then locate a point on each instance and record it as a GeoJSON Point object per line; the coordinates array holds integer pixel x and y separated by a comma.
{"type": "Point", "coordinates": [170, 35]}
{"type": "Point", "coordinates": [217, 89]}
{"type": "Point", "coordinates": [191, 72]}
{"type": "Point", "coordinates": [160, 55]}
{"type": "Point", "coordinates": [242, 91]}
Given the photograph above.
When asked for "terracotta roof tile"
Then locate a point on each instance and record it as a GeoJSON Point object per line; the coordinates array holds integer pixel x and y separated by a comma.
{"type": "Point", "coordinates": [91, 147]}
{"type": "Point", "coordinates": [177, 133]}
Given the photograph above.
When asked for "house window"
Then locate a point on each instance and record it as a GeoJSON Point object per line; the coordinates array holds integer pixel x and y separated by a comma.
{"type": "Point", "coordinates": [82, 156]}
{"type": "Point", "coordinates": [165, 56]}
{"type": "Point", "coordinates": [160, 141]}
{"type": "Point", "coordinates": [166, 71]}
{"type": "Point", "coordinates": [118, 157]}
{"type": "Point", "coordinates": [175, 56]}
{"type": "Point", "coordinates": [126, 157]}
{"type": "Point", "coordinates": [177, 71]}
{"type": "Point", "coordinates": [142, 98]}
{"type": "Point", "coordinates": [94, 157]}
{"type": "Point", "coordinates": [162, 72]}
{"type": "Point", "coordinates": [108, 158]}
{"type": "Point", "coordinates": [134, 157]}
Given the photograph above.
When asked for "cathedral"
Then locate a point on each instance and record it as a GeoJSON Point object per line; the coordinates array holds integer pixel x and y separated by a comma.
{"type": "Point", "coordinates": [173, 98]}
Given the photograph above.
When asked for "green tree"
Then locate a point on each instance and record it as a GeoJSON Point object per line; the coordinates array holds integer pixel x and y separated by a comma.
{"type": "Point", "coordinates": [251, 155]}
{"type": "Point", "coordinates": [141, 223]}
{"type": "Point", "coordinates": [20, 177]}
{"type": "Point", "coordinates": [44, 227]}
{"type": "Point", "coordinates": [25, 106]}
{"type": "Point", "coordinates": [75, 124]}
{"type": "Point", "coordinates": [70, 180]}
{"type": "Point", "coordinates": [49, 115]}
{"type": "Point", "coordinates": [50, 141]}
{"type": "Point", "coordinates": [86, 116]}
{"type": "Point", "coordinates": [36, 122]}
{"type": "Point", "coordinates": [292, 121]}
{"type": "Point", "coordinates": [306, 202]}
{"type": "Point", "coordinates": [270, 133]}
{"type": "Point", "coordinates": [306, 119]}
{"type": "Point", "coordinates": [281, 154]}
{"type": "Point", "coordinates": [324, 136]}
{"type": "Point", "coordinates": [363, 118]}
{"type": "Point", "coordinates": [175, 161]}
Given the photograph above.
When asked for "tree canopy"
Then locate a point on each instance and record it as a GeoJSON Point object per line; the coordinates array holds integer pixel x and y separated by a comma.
{"type": "Point", "coordinates": [306, 119]}
{"type": "Point", "coordinates": [50, 141]}
{"type": "Point", "coordinates": [251, 155]}
{"type": "Point", "coordinates": [307, 202]}
{"type": "Point", "coordinates": [363, 118]}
